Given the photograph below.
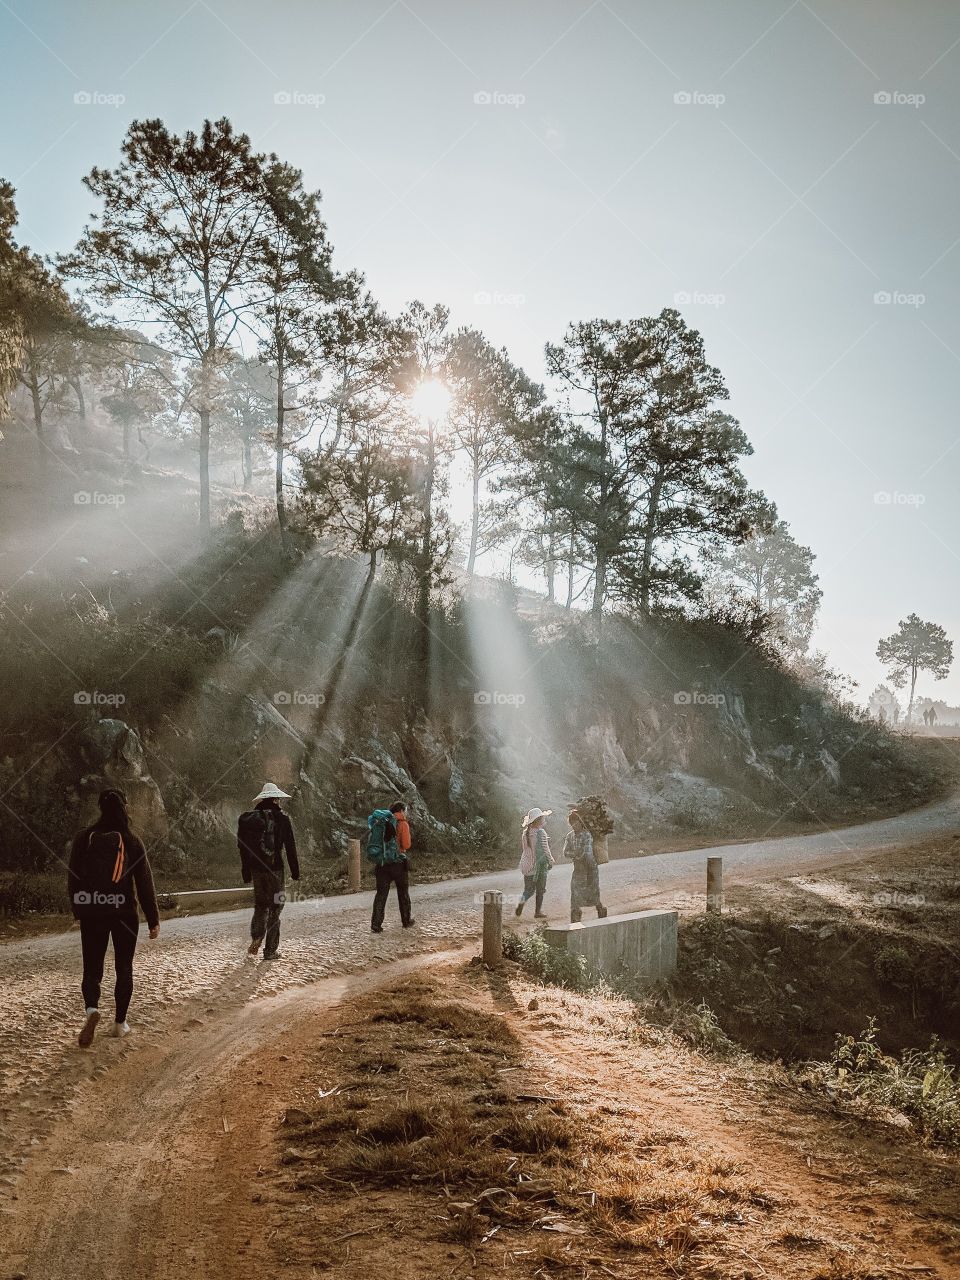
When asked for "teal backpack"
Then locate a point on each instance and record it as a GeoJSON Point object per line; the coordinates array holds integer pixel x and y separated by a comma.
{"type": "Point", "coordinates": [382, 838]}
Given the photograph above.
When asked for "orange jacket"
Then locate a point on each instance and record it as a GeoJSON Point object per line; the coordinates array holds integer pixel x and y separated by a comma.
{"type": "Point", "coordinates": [403, 831]}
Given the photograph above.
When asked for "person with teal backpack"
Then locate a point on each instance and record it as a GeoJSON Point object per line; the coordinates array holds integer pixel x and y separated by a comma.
{"type": "Point", "coordinates": [390, 865]}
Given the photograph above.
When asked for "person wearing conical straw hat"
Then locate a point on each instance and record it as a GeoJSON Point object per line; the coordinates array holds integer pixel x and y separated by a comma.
{"type": "Point", "coordinates": [535, 860]}
{"type": "Point", "coordinates": [264, 835]}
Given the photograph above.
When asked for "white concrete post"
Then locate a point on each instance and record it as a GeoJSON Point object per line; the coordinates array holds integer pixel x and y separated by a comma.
{"type": "Point", "coordinates": [715, 885]}
{"type": "Point", "coordinates": [492, 928]}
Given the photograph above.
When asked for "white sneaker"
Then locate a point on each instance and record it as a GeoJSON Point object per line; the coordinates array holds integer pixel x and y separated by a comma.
{"type": "Point", "coordinates": [119, 1029]}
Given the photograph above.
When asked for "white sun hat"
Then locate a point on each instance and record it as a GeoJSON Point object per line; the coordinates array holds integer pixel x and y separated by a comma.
{"type": "Point", "coordinates": [271, 792]}
{"type": "Point", "coordinates": [534, 814]}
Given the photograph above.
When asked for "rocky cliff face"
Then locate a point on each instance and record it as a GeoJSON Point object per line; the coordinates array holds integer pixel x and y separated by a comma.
{"type": "Point", "coordinates": [681, 725]}
{"type": "Point", "coordinates": [468, 773]}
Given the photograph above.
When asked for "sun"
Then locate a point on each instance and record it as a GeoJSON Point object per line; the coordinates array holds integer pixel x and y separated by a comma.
{"type": "Point", "coordinates": [431, 400]}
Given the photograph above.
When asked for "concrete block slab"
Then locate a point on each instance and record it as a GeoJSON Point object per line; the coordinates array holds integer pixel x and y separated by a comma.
{"type": "Point", "coordinates": [643, 944]}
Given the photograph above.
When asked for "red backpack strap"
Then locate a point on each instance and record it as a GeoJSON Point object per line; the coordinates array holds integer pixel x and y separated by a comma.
{"type": "Point", "coordinates": [118, 866]}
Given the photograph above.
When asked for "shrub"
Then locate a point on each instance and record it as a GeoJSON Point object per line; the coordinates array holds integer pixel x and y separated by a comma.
{"type": "Point", "coordinates": [892, 964]}
{"type": "Point", "coordinates": [921, 1083]}
{"type": "Point", "coordinates": [554, 967]}
{"type": "Point", "coordinates": [700, 1027]}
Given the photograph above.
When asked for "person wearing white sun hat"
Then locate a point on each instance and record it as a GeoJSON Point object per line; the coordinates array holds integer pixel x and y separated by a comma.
{"type": "Point", "coordinates": [264, 835]}
{"type": "Point", "coordinates": [535, 860]}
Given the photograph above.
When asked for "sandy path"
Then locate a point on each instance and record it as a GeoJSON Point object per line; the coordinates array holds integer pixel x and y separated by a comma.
{"type": "Point", "coordinates": [150, 1173]}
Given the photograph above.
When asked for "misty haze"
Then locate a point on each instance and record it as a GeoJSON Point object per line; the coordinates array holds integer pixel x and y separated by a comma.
{"type": "Point", "coordinates": [480, 746]}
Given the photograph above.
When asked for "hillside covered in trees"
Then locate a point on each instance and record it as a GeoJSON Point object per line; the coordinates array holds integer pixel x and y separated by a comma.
{"type": "Point", "coordinates": [254, 525]}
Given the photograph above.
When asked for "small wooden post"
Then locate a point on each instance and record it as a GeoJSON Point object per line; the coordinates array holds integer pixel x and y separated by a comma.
{"type": "Point", "coordinates": [353, 866]}
{"type": "Point", "coordinates": [715, 885]}
{"type": "Point", "coordinates": [492, 928]}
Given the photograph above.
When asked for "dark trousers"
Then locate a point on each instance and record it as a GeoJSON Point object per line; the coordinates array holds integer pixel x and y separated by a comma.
{"type": "Point", "coordinates": [535, 884]}
{"type": "Point", "coordinates": [267, 905]}
{"type": "Point", "coordinates": [389, 873]}
{"type": "Point", "coordinates": [95, 935]}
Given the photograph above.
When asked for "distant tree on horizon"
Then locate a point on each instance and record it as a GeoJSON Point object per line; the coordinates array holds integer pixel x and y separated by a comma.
{"type": "Point", "coordinates": [914, 647]}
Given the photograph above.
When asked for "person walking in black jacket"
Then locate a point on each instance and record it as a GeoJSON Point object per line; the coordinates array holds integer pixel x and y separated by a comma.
{"type": "Point", "coordinates": [108, 874]}
{"type": "Point", "coordinates": [264, 835]}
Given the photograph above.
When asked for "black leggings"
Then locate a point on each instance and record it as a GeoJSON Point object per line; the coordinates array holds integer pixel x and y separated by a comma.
{"type": "Point", "coordinates": [389, 873]}
{"type": "Point", "coordinates": [95, 935]}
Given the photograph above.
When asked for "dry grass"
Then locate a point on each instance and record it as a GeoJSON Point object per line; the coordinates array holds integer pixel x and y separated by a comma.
{"type": "Point", "coordinates": [444, 1123]}
{"type": "Point", "coordinates": [566, 1180]}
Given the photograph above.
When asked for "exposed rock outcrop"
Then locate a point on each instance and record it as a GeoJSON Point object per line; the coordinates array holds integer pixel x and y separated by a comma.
{"type": "Point", "coordinates": [113, 756]}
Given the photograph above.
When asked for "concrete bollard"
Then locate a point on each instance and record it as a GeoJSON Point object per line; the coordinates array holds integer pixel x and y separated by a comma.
{"type": "Point", "coordinates": [353, 866]}
{"type": "Point", "coordinates": [492, 928]}
{"type": "Point", "coordinates": [715, 885]}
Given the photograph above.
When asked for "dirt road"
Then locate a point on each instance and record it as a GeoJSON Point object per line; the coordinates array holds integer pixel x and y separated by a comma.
{"type": "Point", "coordinates": [92, 1142]}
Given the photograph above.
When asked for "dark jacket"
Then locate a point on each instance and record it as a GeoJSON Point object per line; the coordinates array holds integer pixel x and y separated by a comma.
{"type": "Point", "coordinates": [138, 877]}
{"type": "Point", "coordinates": [286, 844]}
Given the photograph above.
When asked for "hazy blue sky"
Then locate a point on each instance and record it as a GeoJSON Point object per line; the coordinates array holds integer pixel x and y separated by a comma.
{"type": "Point", "coordinates": [779, 201]}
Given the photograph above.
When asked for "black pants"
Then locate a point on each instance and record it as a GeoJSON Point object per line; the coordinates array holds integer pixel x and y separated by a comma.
{"type": "Point", "coordinates": [95, 935]}
{"type": "Point", "coordinates": [267, 905]}
{"type": "Point", "coordinates": [397, 873]}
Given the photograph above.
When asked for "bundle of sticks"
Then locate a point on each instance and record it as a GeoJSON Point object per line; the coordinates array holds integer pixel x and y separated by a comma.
{"type": "Point", "coordinates": [598, 821]}
{"type": "Point", "coordinates": [595, 814]}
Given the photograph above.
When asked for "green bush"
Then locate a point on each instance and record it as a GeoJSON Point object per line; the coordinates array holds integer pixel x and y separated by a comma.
{"type": "Point", "coordinates": [893, 964]}
{"type": "Point", "coordinates": [700, 1027]}
{"type": "Point", "coordinates": [921, 1083]}
{"type": "Point", "coordinates": [554, 967]}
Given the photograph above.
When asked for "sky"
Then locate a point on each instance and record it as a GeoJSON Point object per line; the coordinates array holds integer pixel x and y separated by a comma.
{"type": "Point", "coordinates": [785, 173]}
